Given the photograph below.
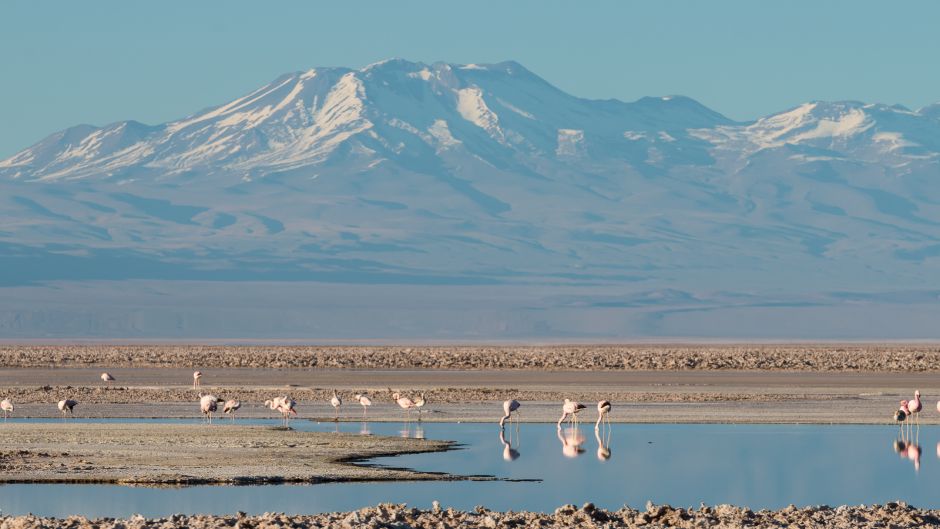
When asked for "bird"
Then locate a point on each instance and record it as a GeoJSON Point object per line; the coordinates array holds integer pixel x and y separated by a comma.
{"type": "Point", "coordinates": [196, 376]}
{"type": "Point", "coordinates": [603, 411]}
{"type": "Point", "coordinates": [404, 402]}
{"type": "Point", "coordinates": [570, 409]}
{"type": "Point", "coordinates": [230, 407]}
{"type": "Point", "coordinates": [283, 405]}
{"type": "Point", "coordinates": [209, 404]}
{"type": "Point", "coordinates": [336, 402]}
{"type": "Point", "coordinates": [7, 406]}
{"type": "Point", "coordinates": [107, 377]}
{"type": "Point", "coordinates": [509, 406]}
{"type": "Point", "coordinates": [364, 401]}
{"type": "Point", "coordinates": [914, 407]}
{"type": "Point", "coordinates": [66, 406]}
{"type": "Point", "coordinates": [900, 415]}
{"type": "Point", "coordinates": [419, 403]}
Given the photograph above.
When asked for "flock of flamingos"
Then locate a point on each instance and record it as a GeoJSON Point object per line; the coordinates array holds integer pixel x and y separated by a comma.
{"type": "Point", "coordinates": [287, 407]}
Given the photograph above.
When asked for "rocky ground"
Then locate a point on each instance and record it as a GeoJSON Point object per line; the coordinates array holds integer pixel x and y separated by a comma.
{"type": "Point", "coordinates": [891, 515]}
{"type": "Point", "coordinates": [792, 357]}
{"type": "Point", "coordinates": [163, 454]}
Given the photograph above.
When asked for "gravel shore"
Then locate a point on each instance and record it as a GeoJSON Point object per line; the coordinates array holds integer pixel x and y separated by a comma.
{"type": "Point", "coordinates": [891, 515]}
{"type": "Point", "coordinates": [828, 357]}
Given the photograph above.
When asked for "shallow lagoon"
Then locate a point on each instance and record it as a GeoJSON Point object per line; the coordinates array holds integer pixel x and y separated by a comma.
{"type": "Point", "coordinates": [761, 466]}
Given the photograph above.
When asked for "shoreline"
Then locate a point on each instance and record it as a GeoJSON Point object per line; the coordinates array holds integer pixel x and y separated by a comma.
{"type": "Point", "coordinates": [892, 514]}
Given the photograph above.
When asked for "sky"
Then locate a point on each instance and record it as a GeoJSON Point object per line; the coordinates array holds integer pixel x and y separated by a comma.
{"type": "Point", "coordinates": [65, 63]}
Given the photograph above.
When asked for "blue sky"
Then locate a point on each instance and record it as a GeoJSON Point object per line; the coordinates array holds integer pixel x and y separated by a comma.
{"type": "Point", "coordinates": [66, 63]}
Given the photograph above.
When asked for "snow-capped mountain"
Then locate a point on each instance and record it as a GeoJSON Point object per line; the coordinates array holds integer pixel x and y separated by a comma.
{"type": "Point", "coordinates": [405, 172]}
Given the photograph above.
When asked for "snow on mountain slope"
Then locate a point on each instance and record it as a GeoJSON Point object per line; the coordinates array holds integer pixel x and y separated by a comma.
{"type": "Point", "coordinates": [468, 174]}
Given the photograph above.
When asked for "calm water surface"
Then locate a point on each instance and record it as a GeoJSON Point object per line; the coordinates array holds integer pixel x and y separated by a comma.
{"type": "Point", "coordinates": [755, 465]}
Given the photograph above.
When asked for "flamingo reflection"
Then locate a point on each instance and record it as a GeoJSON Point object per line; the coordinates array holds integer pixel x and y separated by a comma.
{"type": "Point", "coordinates": [509, 453]}
{"type": "Point", "coordinates": [364, 429]}
{"type": "Point", "coordinates": [910, 449]}
{"type": "Point", "coordinates": [603, 444]}
{"type": "Point", "coordinates": [571, 440]}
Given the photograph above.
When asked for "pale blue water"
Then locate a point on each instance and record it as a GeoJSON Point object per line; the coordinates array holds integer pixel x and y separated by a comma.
{"type": "Point", "coordinates": [755, 465]}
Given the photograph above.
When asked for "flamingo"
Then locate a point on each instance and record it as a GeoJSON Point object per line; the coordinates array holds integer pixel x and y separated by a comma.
{"type": "Point", "coordinates": [603, 411]}
{"type": "Point", "coordinates": [196, 376]}
{"type": "Point", "coordinates": [404, 402]}
{"type": "Point", "coordinates": [570, 409]}
{"type": "Point", "coordinates": [336, 402]}
{"type": "Point", "coordinates": [7, 406]}
{"type": "Point", "coordinates": [230, 407]}
{"type": "Point", "coordinates": [914, 407]}
{"type": "Point", "coordinates": [509, 407]}
{"type": "Point", "coordinates": [365, 402]}
{"type": "Point", "coordinates": [419, 403]}
{"type": "Point", "coordinates": [901, 414]}
{"type": "Point", "coordinates": [209, 404]}
{"type": "Point", "coordinates": [283, 405]}
{"type": "Point", "coordinates": [66, 406]}
{"type": "Point", "coordinates": [107, 377]}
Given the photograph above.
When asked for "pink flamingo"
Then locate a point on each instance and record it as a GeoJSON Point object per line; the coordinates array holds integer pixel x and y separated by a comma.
{"type": "Point", "coordinates": [107, 377]}
{"type": "Point", "coordinates": [336, 402]}
{"type": "Point", "coordinates": [208, 404]}
{"type": "Point", "coordinates": [231, 406]}
{"type": "Point", "coordinates": [7, 406]}
{"type": "Point", "coordinates": [603, 409]}
{"type": "Point", "coordinates": [914, 407]}
{"type": "Point", "coordinates": [196, 376]}
{"type": "Point", "coordinates": [509, 407]}
{"type": "Point", "coordinates": [67, 407]}
{"type": "Point", "coordinates": [283, 405]}
{"type": "Point", "coordinates": [404, 403]}
{"type": "Point", "coordinates": [365, 402]}
{"type": "Point", "coordinates": [570, 409]}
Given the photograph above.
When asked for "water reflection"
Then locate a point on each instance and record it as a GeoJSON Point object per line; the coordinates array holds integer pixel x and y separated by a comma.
{"type": "Point", "coordinates": [412, 430]}
{"type": "Point", "coordinates": [909, 448]}
{"type": "Point", "coordinates": [364, 428]}
{"type": "Point", "coordinates": [571, 440]}
{"type": "Point", "coordinates": [509, 453]}
{"type": "Point", "coordinates": [602, 435]}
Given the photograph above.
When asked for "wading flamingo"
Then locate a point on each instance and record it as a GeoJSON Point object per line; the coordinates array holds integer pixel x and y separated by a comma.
{"type": "Point", "coordinates": [66, 406]}
{"type": "Point", "coordinates": [510, 406]}
{"type": "Point", "coordinates": [365, 402]}
{"type": "Point", "coordinates": [283, 405]}
{"type": "Point", "coordinates": [208, 404]}
{"type": "Point", "coordinates": [7, 406]}
{"type": "Point", "coordinates": [231, 406]}
{"type": "Point", "coordinates": [914, 407]}
{"type": "Point", "coordinates": [336, 402]}
{"type": "Point", "coordinates": [404, 403]}
{"type": "Point", "coordinates": [570, 409]}
{"type": "Point", "coordinates": [900, 415]}
{"type": "Point", "coordinates": [419, 403]}
{"type": "Point", "coordinates": [196, 376]}
{"type": "Point", "coordinates": [603, 410]}
{"type": "Point", "coordinates": [107, 377]}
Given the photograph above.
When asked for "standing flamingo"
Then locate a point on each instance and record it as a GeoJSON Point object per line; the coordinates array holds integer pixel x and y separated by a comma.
{"type": "Point", "coordinates": [208, 404]}
{"type": "Point", "coordinates": [404, 403]}
{"type": "Point", "coordinates": [419, 403]}
{"type": "Point", "coordinates": [108, 378]}
{"type": "Point", "coordinates": [231, 406]}
{"type": "Point", "coordinates": [509, 406]}
{"type": "Point", "coordinates": [283, 405]}
{"type": "Point", "coordinates": [365, 402]}
{"type": "Point", "coordinates": [914, 407]}
{"type": "Point", "coordinates": [603, 411]}
{"type": "Point", "coordinates": [336, 402]}
{"type": "Point", "coordinates": [196, 376]}
{"type": "Point", "coordinates": [570, 409]}
{"type": "Point", "coordinates": [66, 406]}
{"type": "Point", "coordinates": [7, 406]}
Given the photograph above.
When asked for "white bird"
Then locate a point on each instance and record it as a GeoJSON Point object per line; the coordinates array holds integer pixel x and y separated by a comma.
{"type": "Point", "coordinates": [419, 403]}
{"type": "Point", "coordinates": [209, 404]}
{"type": "Point", "coordinates": [66, 406]}
{"type": "Point", "coordinates": [509, 407]}
{"type": "Point", "coordinates": [365, 402]}
{"type": "Point", "coordinates": [231, 406]}
{"type": "Point", "coordinates": [107, 377]}
{"type": "Point", "coordinates": [336, 402]}
{"type": "Point", "coordinates": [7, 406]}
{"type": "Point", "coordinates": [570, 409]}
{"type": "Point", "coordinates": [603, 410]}
{"type": "Point", "coordinates": [283, 405]}
{"type": "Point", "coordinates": [196, 376]}
{"type": "Point", "coordinates": [404, 403]}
